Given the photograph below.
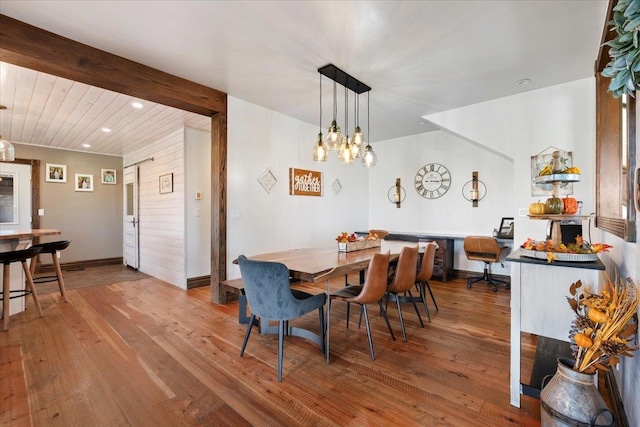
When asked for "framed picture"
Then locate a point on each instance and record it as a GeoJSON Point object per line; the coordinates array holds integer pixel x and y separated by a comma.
{"type": "Point", "coordinates": [166, 183]}
{"type": "Point", "coordinates": [83, 182]}
{"type": "Point", "coordinates": [108, 176]}
{"type": "Point", "coordinates": [506, 228]}
{"type": "Point", "coordinates": [56, 173]}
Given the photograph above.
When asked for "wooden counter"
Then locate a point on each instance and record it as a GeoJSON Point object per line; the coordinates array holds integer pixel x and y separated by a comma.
{"type": "Point", "coordinates": [12, 240]}
{"type": "Point", "coordinates": [27, 234]}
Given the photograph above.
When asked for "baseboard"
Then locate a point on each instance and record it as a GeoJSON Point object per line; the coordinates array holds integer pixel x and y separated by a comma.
{"type": "Point", "coordinates": [463, 274]}
{"type": "Point", "coordinates": [78, 265]}
{"type": "Point", "coordinates": [197, 282]}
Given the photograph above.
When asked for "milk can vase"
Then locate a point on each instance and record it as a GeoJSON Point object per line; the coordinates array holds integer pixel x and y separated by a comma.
{"type": "Point", "coordinates": [571, 398]}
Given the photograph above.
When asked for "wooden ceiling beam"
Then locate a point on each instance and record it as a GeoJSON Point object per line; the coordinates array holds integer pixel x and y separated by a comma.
{"type": "Point", "coordinates": [32, 47]}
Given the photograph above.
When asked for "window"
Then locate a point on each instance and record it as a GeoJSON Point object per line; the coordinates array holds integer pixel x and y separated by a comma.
{"type": "Point", "coordinates": [615, 150]}
{"type": "Point", "coordinates": [8, 198]}
{"type": "Point", "coordinates": [615, 161]}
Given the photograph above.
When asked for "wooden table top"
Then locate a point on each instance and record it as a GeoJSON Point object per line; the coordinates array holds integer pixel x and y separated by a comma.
{"type": "Point", "coordinates": [319, 264]}
{"type": "Point", "coordinates": [27, 234]}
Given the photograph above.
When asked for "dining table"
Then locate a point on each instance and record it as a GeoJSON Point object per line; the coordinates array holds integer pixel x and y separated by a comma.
{"type": "Point", "coordinates": [316, 265]}
{"type": "Point", "coordinates": [17, 239]}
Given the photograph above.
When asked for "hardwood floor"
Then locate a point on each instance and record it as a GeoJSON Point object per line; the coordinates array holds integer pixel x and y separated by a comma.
{"type": "Point", "coordinates": [145, 353]}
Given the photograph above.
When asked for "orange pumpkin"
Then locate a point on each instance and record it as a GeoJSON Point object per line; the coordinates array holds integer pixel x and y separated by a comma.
{"type": "Point", "coordinates": [570, 205]}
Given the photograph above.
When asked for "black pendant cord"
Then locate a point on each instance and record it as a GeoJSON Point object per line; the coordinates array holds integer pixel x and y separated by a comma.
{"type": "Point", "coordinates": [368, 122]}
{"type": "Point", "coordinates": [320, 103]}
{"type": "Point", "coordinates": [335, 100]}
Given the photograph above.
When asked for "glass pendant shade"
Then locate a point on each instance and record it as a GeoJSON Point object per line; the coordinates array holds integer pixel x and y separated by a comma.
{"type": "Point", "coordinates": [369, 158]}
{"type": "Point", "coordinates": [320, 150]}
{"type": "Point", "coordinates": [334, 137]}
{"type": "Point", "coordinates": [346, 156]}
{"type": "Point", "coordinates": [7, 151]}
{"type": "Point", "coordinates": [357, 142]}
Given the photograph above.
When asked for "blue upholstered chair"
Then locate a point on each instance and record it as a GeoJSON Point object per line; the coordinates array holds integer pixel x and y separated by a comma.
{"type": "Point", "coordinates": [270, 297]}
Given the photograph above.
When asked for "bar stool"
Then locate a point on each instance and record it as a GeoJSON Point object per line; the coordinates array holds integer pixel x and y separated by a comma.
{"type": "Point", "coordinates": [7, 258]}
{"type": "Point", "coordinates": [52, 248]}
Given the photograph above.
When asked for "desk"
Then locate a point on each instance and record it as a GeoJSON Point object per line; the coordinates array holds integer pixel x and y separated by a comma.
{"type": "Point", "coordinates": [539, 305]}
{"type": "Point", "coordinates": [11, 240]}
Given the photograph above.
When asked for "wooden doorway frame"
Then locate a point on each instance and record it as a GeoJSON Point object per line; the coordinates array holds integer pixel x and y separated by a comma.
{"type": "Point", "coordinates": [32, 47]}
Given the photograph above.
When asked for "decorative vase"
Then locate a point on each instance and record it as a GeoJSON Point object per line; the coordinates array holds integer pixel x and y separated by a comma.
{"type": "Point", "coordinates": [571, 398]}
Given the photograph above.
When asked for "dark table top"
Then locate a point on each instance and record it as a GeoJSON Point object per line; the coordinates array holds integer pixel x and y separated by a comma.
{"type": "Point", "coordinates": [516, 256]}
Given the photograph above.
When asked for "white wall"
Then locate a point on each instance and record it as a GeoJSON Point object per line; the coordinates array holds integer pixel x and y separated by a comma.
{"type": "Point", "coordinates": [523, 125]}
{"type": "Point", "coordinates": [451, 213]}
{"type": "Point", "coordinates": [198, 212]}
{"type": "Point", "coordinates": [259, 222]}
{"type": "Point", "coordinates": [162, 220]}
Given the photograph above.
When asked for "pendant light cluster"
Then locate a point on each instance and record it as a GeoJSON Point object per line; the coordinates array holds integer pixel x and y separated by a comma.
{"type": "Point", "coordinates": [348, 147]}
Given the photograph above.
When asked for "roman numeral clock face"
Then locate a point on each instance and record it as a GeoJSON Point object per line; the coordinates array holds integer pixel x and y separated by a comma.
{"type": "Point", "coordinates": [432, 181]}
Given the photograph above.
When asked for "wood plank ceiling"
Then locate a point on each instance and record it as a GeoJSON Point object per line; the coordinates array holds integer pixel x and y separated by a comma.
{"type": "Point", "coordinates": [51, 111]}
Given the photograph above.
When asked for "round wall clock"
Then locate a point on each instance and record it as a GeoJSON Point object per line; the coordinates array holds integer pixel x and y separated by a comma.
{"type": "Point", "coordinates": [432, 181]}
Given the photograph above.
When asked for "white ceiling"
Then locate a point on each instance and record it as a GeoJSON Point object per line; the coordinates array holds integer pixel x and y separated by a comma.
{"type": "Point", "coordinates": [419, 57]}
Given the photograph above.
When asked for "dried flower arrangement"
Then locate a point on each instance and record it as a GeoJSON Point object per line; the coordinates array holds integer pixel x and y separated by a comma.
{"type": "Point", "coordinates": [604, 324]}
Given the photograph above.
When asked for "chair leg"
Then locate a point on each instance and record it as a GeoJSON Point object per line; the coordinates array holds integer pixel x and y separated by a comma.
{"type": "Point", "coordinates": [348, 313]}
{"type": "Point", "coordinates": [328, 327]}
{"type": "Point", "coordinates": [6, 294]}
{"type": "Point", "coordinates": [415, 307]}
{"type": "Point", "coordinates": [32, 288]}
{"type": "Point", "coordinates": [424, 300]}
{"type": "Point", "coordinates": [280, 347]}
{"type": "Point", "coordinates": [383, 312]}
{"type": "Point", "coordinates": [366, 322]}
{"type": "Point", "coordinates": [404, 334]}
{"type": "Point", "coordinates": [56, 263]}
{"type": "Point", "coordinates": [431, 293]}
{"type": "Point", "coordinates": [321, 318]}
{"type": "Point", "coordinates": [246, 334]}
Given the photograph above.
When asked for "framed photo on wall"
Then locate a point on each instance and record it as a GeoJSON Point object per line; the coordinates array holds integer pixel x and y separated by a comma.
{"type": "Point", "coordinates": [166, 183]}
{"type": "Point", "coordinates": [108, 176]}
{"type": "Point", "coordinates": [56, 173]}
{"type": "Point", "coordinates": [83, 182]}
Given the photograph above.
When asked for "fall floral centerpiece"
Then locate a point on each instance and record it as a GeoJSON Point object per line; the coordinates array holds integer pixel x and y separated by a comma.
{"type": "Point", "coordinates": [581, 246]}
{"type": "Point", "coordinates": [604, 324]}
{"type": "Point", "coordinates": [350, 242]}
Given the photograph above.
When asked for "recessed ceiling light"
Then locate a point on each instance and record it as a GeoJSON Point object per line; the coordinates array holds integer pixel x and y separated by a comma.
{"type": "Point", "coordinates": [107, 130]}
{"type": "Point", "coordinates": [136, 105]}
{"type": "Point", "coordinates": [523, 82]}
{"type": "Point", "coordinates": [86, 145]}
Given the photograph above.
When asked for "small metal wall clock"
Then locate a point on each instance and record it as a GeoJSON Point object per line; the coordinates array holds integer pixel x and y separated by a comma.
{"type": "Point", "coordinates": [432, 181]}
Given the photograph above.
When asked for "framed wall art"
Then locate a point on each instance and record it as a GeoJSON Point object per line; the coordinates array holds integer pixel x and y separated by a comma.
{"type": "Point", "coordinates": [56, 173]}
{"type": "Point", "coordinates": [108, 176]}
{"type": "Point", "coordinates": [83, 182]}
{"type": "Point", "coordinates": [166, 183]}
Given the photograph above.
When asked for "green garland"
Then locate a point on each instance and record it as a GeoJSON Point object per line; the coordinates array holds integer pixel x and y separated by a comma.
{"type": "Point", "coordinates": [624, 67]}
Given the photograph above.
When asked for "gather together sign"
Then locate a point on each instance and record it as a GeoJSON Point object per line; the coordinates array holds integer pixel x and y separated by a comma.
{"type": "Point", "coordinates": [303, 182]}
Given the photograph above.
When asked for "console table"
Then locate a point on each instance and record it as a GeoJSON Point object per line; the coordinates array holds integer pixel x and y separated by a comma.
{"type": "Point", "coordinates": [443, 263]}
{"type": "Point", "coordinates": [539, 306]}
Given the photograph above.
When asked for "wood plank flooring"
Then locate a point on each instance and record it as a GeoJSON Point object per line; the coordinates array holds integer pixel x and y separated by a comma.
{"type": "Point", "coordinates": [144, 353]}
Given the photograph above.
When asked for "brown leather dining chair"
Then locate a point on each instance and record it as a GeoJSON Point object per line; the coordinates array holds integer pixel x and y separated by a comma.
{"type": "Point", "coordinates": [403, 280]}
{"type": "Point", "coordinates": [487, 250]}
{"type": "Point", "coordinates": [424, 275]}
{"type": "Point", "coordinates": [371, 292]}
